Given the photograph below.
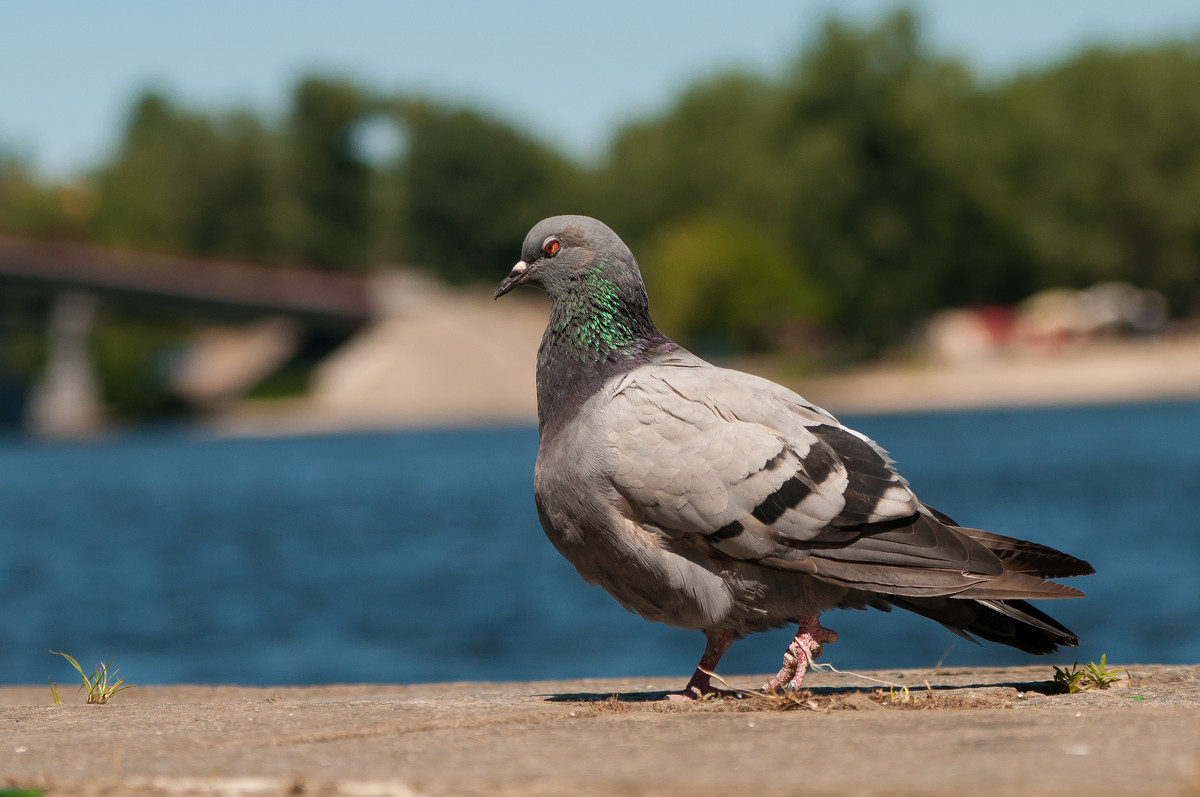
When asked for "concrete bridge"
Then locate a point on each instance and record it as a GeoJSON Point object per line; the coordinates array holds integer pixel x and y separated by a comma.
{"type": "Point", "coordinates": [280, 310]}
{"type": "Point", "coordinates": [323, 300]}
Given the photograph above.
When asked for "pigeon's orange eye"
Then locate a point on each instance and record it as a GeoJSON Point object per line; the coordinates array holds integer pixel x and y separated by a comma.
{"type": "Point", "coordinates": [550, 247]}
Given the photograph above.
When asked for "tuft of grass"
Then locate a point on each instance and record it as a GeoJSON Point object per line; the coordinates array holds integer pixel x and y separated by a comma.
{"type": "Point", "coordinates": [1075, 679]}
{"type": "Point", "coordinates": [1101, 677]}
{"type": "Point", "coordinates": [101, 685]}
{"type": "Point", "coordinates": [903, 696]}
{"type": "Point", "coordinates": [1069, 679]}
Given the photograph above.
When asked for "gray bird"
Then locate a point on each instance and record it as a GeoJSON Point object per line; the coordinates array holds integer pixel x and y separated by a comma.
{"type": "Point", "coordinates": [707, 498]}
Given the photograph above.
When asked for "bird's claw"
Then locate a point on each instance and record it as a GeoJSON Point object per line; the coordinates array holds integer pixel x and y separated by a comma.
{"type": "Point", "coordinates": [805, 648]}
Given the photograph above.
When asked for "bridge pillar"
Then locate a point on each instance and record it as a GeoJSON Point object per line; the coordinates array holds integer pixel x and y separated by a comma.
{"type": "Point", "coordinates": [65, 401]}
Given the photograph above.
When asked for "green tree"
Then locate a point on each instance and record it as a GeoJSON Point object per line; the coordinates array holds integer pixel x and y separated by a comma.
{"type": "Point", "coordinates": [1101, 163]}
{"type": "Point", "coordinates": [30, 207]}
{"type": "Point", "coordinates": [709, 153]}
{"type": "Point", "coordinates": [473, 188]}
{"type": "Point", "coordinates": [864, 189]}
{"type": "Point", "coordinates": [151, 194]}
{"type": "Point", "coordinates": [719, 283]}
{"type": "Point", "coordinates": [332, 182]}
{"type": "Point", "coordinates": [241, 210]}
{"type": "Point", "coordinates": [191, 183]}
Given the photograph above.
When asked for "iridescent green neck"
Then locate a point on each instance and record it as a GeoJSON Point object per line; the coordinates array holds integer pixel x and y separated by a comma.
{"type": "Point", "coordinates": [594, 322]}
{"type": "Point", "coordinates": [599, 326]}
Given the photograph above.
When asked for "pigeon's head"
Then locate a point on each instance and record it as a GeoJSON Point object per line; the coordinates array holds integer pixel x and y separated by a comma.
{"type": "Point", "coordinates": [566, 255]}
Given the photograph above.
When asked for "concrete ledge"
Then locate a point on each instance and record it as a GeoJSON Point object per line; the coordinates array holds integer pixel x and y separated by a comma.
{"type": "Point", "coordinates": [990, 731]}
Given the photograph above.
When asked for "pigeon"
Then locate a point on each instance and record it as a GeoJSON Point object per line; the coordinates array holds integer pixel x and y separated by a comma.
{"type": "Point", "coordinates": [711, 499]}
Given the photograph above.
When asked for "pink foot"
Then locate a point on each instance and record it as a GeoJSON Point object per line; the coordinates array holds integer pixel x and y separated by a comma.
{"type": "Point", "coordinates": [810, 637]}
{"type": "Point", "coordinates": [701, 684]}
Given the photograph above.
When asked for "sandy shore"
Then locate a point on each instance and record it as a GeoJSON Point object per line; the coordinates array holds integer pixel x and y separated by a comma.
{"type": "Point", "coordinates": [442, 357]}
{"type": "Point", "coordinates": [428, 369]}
{"type": "Point", "coordinates": [1111, 372]}
{"type": "Point", "coordinates": [986, 731]}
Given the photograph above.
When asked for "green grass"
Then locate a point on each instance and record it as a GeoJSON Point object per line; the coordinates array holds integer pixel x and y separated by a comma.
{"type": "Point", "coordinates": [101, 685]}
{"type": "Point", "coordinates": [1075, 679]}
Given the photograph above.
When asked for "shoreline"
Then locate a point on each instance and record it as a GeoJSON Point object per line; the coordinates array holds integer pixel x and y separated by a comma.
{"type": "Point", "coordinates": [1111, 372]}
{"type": "Point", "coordinates": [1104, 373]}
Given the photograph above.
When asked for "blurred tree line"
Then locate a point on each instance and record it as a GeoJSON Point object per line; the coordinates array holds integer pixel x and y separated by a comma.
{"type": "Point", "coordinates": [869, 184]}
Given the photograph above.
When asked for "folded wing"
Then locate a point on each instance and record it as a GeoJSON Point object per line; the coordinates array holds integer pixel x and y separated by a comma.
{"type": "Point", "coordinates": [753, 472]}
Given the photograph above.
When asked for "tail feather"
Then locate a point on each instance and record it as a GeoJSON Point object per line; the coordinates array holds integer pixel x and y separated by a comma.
{"type": "Point", "coordinates": [1008, 622]}
{"type": "Point", "coordinates": [973, 582]}
{"type": "Point", "coordinates": [1015, 584]}
{"type": "Point", "coordinates": [995, 610]}
{"type": "Point", "coordinates": [1022, 556]}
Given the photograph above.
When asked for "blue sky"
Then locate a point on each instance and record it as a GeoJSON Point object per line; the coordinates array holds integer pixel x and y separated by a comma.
{"type": "Point", "coordinates": [569, 73]}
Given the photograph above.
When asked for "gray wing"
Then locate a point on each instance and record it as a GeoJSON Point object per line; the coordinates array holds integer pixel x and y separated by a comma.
{"type": "Point", "coordinates": [748, 469]}
{"type": "Point", "coordinates": [744, 462]}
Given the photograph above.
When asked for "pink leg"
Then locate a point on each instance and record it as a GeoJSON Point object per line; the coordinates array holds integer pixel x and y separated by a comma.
{"type": "Point", "coordinates": [701, 683]}
{"type": "Point", "coordinates": [805, 647]}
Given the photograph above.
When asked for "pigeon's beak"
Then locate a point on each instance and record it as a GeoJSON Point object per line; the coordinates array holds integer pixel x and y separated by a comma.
{"type": "Point", "coordinates": [514, 278]}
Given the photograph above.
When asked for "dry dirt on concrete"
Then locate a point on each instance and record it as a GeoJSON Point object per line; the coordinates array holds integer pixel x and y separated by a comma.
{"type": "Point", "coordinates": [988, 731]}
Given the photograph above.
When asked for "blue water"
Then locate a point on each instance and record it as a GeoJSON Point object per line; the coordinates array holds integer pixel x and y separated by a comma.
{"type": "Point", "coordinates": [417, 556]}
